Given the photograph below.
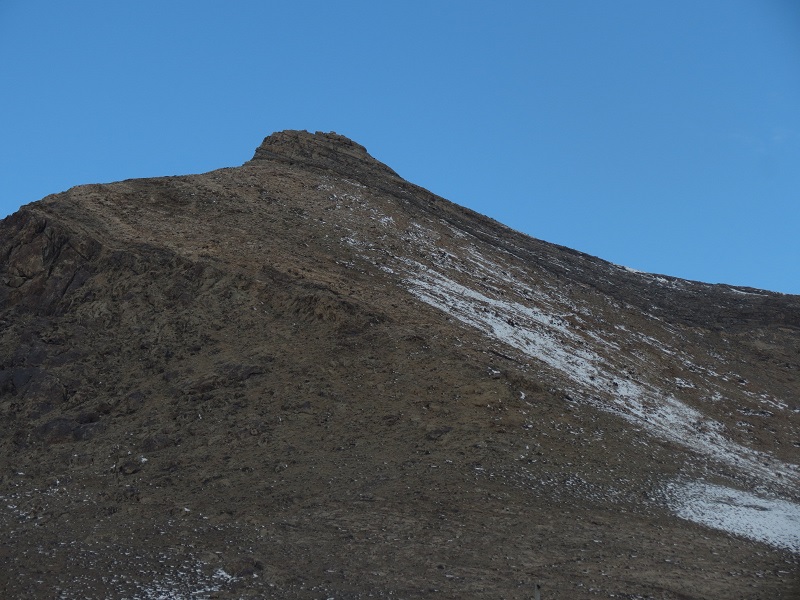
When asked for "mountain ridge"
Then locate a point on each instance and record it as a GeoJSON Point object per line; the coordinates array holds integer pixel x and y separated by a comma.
{"type": "Point", "coordinates": [347, 339]}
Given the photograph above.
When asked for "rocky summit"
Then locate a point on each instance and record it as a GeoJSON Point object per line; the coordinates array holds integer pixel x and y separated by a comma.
{"type": "Point", "coordinates": [308, 378]}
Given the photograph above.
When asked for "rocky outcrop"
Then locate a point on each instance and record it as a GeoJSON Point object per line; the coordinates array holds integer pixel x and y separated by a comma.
{"type": "Point", "coordinates": [328, 151]}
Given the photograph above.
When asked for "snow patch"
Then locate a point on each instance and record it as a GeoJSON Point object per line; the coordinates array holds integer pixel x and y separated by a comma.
{"type": "Point", "coordinates": [769, 520]}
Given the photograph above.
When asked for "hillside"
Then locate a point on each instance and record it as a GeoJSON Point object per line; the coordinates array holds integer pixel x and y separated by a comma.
{"type": "Point", "coordinates": [308, 378]}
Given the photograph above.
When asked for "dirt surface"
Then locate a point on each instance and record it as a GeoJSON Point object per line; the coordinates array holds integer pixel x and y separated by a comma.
{"type": "Point", "coordinates": [267, 382]}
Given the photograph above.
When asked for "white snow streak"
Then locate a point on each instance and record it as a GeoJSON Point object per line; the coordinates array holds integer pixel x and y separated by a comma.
{"type": "Point", "coordinates": [544, 329]}
{"type": "Point", "coordinates": [547, 338]}
{"type": "Point", "coordinates": [772, 521]}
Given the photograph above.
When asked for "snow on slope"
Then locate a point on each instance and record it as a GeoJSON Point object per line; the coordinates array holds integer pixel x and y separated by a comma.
{"type": "Point", "coordinates": [540, 322]}
{"type": "Point", "coordinates": [769, 520]}
{"type": "Point", "coordinates": [545, 338]}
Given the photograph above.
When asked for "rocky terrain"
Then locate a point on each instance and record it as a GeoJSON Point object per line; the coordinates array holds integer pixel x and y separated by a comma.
{"type": "Point", "coordinates": [308, 378]}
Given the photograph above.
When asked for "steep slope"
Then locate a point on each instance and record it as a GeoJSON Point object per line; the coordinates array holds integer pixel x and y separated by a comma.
{"type": "Point", "coordinates": [307, 377]}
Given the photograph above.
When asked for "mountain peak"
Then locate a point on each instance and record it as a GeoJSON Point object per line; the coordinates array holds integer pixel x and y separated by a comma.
{"type": "Point", "coordinates": [309, 347]}
{"type": "Point", "coordinates": [324, 150]}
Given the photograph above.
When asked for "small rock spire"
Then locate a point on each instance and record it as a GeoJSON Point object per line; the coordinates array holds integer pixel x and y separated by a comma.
{"type": "Point", "coordinates": [325, 150]}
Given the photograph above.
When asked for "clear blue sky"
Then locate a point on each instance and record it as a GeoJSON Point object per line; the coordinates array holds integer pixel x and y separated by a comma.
{"type": "Point", "coordinates": [660, 135]}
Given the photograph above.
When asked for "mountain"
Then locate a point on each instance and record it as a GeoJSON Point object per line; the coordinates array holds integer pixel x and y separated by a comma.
{"type": "Point", "coordinates": [306, 377]}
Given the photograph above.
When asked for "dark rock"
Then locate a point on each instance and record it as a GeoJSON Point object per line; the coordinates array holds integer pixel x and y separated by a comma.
{"type": "Point", "coordinates": [129, 467]}
{"type": "Point", "coordinates": [57, 430]}
{"type": "Point", "coordinates": [156, 442]}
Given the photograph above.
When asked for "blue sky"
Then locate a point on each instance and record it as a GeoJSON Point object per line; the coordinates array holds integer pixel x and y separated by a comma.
{"type": "Point", "coordinates": [660, 135]}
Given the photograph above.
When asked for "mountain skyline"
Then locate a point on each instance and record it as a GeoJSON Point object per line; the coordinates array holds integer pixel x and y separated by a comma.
{"type": "Point", "coordinates": [661, 137]}
{"type": "Point", "coordinates": [307, 377]}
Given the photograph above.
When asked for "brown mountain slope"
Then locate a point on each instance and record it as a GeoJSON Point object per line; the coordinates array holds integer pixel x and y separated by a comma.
{"type": "Point", "coordinates": [306, 377]}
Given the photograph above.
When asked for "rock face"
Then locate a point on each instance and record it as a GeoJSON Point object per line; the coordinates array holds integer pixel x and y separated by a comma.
{"type": "Point", "coordinates": [307, 378]}
{"type": "Point", "coordinates": [327, 151]}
